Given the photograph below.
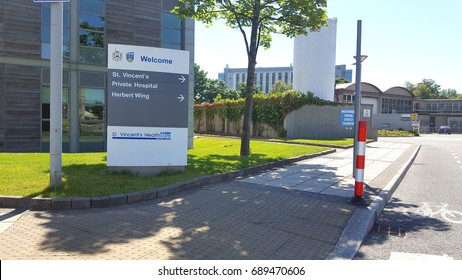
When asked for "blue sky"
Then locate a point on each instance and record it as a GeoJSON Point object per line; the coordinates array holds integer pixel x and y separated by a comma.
{"type": "Point", "coordinates": [405, 40]}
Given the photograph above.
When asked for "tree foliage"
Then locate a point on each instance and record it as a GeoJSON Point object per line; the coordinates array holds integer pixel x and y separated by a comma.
{"type": "Point", "coordinates": [429, 89]}
{"type": "Point", "coordinates": [209, 90]}
{"type": "Point", "coordinates": [279, 87]}
{"type": "Point", "coordinates": [341, 80]}
{"type": "Point", "coordinates": [257, 20]}
{"type": "Point", "coordinates": [200, 84]}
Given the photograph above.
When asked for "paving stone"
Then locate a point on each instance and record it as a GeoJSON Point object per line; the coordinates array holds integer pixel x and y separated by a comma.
{"type": "Point", "coordinates": [61, 203]}
{"type": "Point", "coordinates": [10, 201]}
{"type": "Point", "coordinates": [40, 203]}
{"type": "Point", "coordinates": [25, 202]}
{"type": "Point", "coordinates": [149, 194]}
{"type": "Point", "coordinates": [81, 202]}
{"type": "Point", "coordinates": [134, 197]}
{"type": "Point", "coordinates": [100, 201]}
{"type": "Point", "coordinates": [302, 248]}
{"type": "Point", "coordinates": [117, 199]}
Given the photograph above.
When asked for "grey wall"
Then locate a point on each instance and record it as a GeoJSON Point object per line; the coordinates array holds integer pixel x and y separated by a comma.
{"type": "Point", "coordinates": [322, 122]}
{"type": "Point", "coordinates": [19, 84]}
{"type": "Point", "coordinates": [390, 122]}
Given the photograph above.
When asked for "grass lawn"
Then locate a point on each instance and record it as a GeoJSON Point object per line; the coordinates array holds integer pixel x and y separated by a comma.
{"type": "Point", "coordinates": [85, 174]}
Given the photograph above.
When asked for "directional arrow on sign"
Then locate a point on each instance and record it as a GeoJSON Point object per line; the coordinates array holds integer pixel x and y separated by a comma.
{"type": "Point", "coordinates": [182, 79]}
{"type": "Point", "coordinates": [181, 97]}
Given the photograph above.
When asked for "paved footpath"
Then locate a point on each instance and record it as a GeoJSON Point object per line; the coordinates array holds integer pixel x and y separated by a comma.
{"type": "Point", "coordinates": [301, 211]}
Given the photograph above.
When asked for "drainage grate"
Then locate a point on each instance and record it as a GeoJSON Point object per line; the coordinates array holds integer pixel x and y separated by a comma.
{"type": "Point", "coordinates": [381, 229]}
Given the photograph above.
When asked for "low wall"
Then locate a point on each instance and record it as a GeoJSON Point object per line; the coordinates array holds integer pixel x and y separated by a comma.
{"type": "Point", "coordinates": [314, 122]}
{"type": "Point", "coordinates": [323, 122]}
{"type": "Point", "coordinates": [391, 122]}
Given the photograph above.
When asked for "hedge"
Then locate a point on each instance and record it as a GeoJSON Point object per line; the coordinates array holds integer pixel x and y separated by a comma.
{"type": "Point", "coordinates": [270, 110]}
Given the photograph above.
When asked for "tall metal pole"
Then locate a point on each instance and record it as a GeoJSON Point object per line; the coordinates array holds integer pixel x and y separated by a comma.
{"type": "Point", "coordinates": [357, 92]}
{"type": "Point", "coordinates": [56, 81]}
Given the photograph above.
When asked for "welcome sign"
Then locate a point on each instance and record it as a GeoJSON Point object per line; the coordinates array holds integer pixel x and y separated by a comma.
{"type": "Point", "coordinates": [147, 107]}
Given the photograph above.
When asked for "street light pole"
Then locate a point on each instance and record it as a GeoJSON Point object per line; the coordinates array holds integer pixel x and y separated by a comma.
{"type": "Point", "coordinates": [56, 81]}
{"type": "Point", "coordinates": [357, 92]}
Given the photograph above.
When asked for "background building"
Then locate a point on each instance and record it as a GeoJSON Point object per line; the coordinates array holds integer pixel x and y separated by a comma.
{"type": "Point", "coordinates": [342, 72]}
{"type": "Point", "coordinates": [434, 113]}
{"type": "Point", "coordinates": [89, 25]}
{"type": "Point", "coordinates": [265, 77]}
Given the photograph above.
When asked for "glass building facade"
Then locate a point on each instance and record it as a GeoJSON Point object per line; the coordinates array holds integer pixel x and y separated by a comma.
{"type": "Point", "coordinates": [88, 27]}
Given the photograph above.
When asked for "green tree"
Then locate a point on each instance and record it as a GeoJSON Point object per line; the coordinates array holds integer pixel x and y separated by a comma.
{"type": "Point", "coordinates": [230, 94]}
{"type": "Point", "coordinates": [341, 80]}
{"type": "Point", "coordinates": [279, 87]}
{"type": "Point", "coordinates": [448, 94]}
{"type": "Point", "coordinates": [257, 20]}
{"type": "Point", "coordinates": [242, 90]}
{"type": "Point", "coordinates": [427, 89]}
{"type": "Point", "coordinates": [213, 89]}
{"type": "Point", "coordinates": [200, 84]}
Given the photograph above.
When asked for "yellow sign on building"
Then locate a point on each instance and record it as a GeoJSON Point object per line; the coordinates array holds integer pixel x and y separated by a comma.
{"type": "Point", "coordinates": [413, 117]}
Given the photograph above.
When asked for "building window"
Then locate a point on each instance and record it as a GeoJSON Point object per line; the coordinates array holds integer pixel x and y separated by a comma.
{"type": "Point", "coordinates": [171, 31]}
{"type": "Point", "coordinates": [92, 112]}
{"type": "Point", "coordinates": [46, 114]}
{"type": "Point", "coordinates": [92, 31]}
{"type": "Point", "coordinates": [46, 31]}
{"type": "Point", "coordinates": [396, 106]}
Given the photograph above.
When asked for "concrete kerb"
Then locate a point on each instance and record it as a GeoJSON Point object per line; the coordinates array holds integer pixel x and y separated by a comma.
{"type": "Point", "coordinates": [62, 203]}
{"type": "Point", "coordinates": [363, 218]}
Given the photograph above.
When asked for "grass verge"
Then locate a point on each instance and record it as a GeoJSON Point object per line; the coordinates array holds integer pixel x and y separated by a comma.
{"type": "Point", "coordinates": [85, 174]}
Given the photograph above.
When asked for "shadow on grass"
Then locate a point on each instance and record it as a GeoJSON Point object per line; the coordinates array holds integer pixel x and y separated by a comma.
{"type": "Point", "coordinates": [86, 180]}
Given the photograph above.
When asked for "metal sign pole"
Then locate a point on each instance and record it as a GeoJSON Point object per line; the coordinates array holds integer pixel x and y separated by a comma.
{"type": "Point", "coordinates": [56, 81]}
{"type": "Point", "coordinates": [357, 93]}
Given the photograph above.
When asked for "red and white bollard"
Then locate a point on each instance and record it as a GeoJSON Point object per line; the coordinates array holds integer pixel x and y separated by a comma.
{"type": "Point", "coordinates": [360, 163]}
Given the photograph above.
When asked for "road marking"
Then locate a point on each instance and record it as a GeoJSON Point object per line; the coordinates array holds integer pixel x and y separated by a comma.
{"type": "Point", "coordinates": [432, 210]}
{"type": "Point", "coordinates": [398, 256]}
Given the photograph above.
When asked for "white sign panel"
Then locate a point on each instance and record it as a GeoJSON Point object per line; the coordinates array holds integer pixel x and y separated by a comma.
{"type": "Point", "coordinates": [148, 59]}
{"type": "Point", "coordinates": [147, 105]}
{"type": "Point", "coordinates": [147, 146]}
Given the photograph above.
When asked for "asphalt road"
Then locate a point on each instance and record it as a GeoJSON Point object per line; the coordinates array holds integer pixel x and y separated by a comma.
{"type": "Point", "coordinates": [427, 206]}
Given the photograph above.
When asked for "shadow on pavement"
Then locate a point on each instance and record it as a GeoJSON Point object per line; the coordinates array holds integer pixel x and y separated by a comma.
{"type": "Point", "coordinates": [231, 220]}
{"type": "Point", "coordinates": [407, 217]}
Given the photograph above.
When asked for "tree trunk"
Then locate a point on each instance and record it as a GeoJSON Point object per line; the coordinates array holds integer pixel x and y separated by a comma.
{"type": "Point", "coordinates": [245, 138]}
{"type": "Point", "coordinates": [249, 88]}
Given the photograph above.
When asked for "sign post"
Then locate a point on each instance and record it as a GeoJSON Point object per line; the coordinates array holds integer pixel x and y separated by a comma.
{"type": "Point", "coordinates": [357, 92]}
{"type": "Point", "coordinates": [56, 85]}
{"type": "Point", "coordinates": [147, 107]}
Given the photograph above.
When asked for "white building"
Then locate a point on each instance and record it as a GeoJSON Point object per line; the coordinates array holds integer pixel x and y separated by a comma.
{"type": "Point", "coordinates": [314, 61]}
{"type": "Point", "coordinates": [265, 77]}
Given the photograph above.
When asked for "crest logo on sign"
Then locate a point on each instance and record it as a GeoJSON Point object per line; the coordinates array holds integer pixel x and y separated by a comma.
{"type": "Point", "coordinates": [117, 56]}
{"type": "Point", "coordinates": [130, 56]}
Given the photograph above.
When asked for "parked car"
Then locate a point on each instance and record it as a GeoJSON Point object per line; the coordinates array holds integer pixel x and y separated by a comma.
{"type": "Point", "coordinates": [444, 129]}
